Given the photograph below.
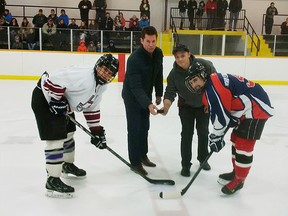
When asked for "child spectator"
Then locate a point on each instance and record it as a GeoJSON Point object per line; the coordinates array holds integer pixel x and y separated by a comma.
{"type": "Point", "coordinates": [17, 44]}
{"type": "Point", "coordinates": [144, 21]}
{"type": "Point", "coordinates": [82, 46]}
{"type": "Point", "coordinates": [134, 24]}
{"type": "Point", "coordinates": [7, 16]}
{"type": "Point", "coordinates": [91, 47]}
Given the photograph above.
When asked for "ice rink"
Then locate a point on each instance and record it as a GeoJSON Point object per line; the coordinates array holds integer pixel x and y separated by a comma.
{"type": "Point", "coordinates": [112, 189]}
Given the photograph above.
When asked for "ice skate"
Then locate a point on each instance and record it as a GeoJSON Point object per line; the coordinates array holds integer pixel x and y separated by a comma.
{"type": "Point", "coordinates": [233, 186]}
{"type": "Point", "coordinates": [57, 189]}
{"type": "Point", "coordinates": [226, 178]}
{"type": "Point", "coordinates": [70, 170]}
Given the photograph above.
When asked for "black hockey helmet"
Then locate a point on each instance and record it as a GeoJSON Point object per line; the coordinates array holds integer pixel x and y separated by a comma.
{"type": "Point", "coordinates": [111, 63]}
{"type": "Point", "coordinates": [199, 68]}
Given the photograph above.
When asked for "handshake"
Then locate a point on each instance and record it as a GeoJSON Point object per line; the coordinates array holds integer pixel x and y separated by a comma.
{"type": "Point", "coordinates": [216, 143]}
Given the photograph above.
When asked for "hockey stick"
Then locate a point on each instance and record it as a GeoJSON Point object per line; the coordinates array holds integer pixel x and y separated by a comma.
{"type": "Point", "coordinates": [177, 194]}
{"type": "Point", "coordinates": [152, 181]}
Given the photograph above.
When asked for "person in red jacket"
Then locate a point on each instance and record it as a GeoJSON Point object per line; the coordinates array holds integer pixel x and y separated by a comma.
{"type": "Point", "coordinates": [82, 46]}
{"type": "Point", "coordinates": [210, 8]}
{"type": "Point", "coordinates": [234, 102]}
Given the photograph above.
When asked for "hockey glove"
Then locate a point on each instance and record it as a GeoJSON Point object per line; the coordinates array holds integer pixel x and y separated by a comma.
{"type": "Point", "coordinates": [58, 107]}
{"type": "Point", "coordinates": [216, 143]}
{"type": "Point", "coordinates": [99, 139]}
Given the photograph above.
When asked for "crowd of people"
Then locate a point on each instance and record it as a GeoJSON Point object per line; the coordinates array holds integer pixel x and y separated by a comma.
{"type": "Point", "coordinates": [56, 28]}
{"type": "Point", "coordinates": [216, 15]}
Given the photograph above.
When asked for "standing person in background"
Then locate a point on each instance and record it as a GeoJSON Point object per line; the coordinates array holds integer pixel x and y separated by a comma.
{"type": "Point", "coordinates": [235, 6]}
{"type": "Point", "coordinates": [269, 18]}
{"type": "Point", "coordinates": [144, 72]}
{"type": "Point", "coordinates": [211, 10]}
{"type": "Point", "coordinates": [222, 6]}
{"type": "Point", "coordinates": [192, 112]}
{"type": "Point", "coordinates": [68, 90]}
{"type": "Point", "coordinates": [234, 102]}
{"type": "Point", "coordinates": [84, 7]}
{"type": "Point", "coordinates": [191, 6]}
{"type": "Point", "coordinates": [182, 6]}
{"type": "Point", "coordinates": [199, 15]}
{"type": "Point", "coordinates": [100, 7]}
{"type": "Point", "coordinates": [2, 7]}
{"type": "Point", "coordinates": [145, 8]}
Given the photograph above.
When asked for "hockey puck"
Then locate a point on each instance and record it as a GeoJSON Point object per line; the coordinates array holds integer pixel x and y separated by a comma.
{"type": "Point", "coordinates": [160, 111]}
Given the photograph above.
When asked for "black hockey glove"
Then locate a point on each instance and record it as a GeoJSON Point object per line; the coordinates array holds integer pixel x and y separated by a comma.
{"type": "Point", "coordinates": [216, 143]}
{"type": "Point", "coordinates": [99, 139]}
{"type": "Point", "coordinates": [58, 107]}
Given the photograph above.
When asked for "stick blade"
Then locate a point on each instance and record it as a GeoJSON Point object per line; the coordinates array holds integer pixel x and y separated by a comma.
{"type": "Point", "coordinates": [170, 195]}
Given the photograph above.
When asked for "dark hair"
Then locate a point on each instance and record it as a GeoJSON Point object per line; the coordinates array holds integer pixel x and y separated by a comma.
{"type": "Point", "coordinates": [149, 30]}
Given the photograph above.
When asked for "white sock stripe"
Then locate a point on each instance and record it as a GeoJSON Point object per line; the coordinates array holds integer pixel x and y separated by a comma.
{"type": "Point", "coordinates": [243, 165]}
{"type": "Point", "coordinates": [248, 154]}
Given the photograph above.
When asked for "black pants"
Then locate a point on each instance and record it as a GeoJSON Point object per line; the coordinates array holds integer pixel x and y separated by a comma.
{"type": "Point", "coordinates": [138, 123]}
{"type": "Point", "coordinates": [189, 116]}
{"type": "Point", "coordinates": [50, 126]}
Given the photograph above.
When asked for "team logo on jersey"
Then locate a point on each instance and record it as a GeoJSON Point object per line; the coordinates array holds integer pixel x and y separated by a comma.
{"type": "Point", "coordinates": [87, 104]}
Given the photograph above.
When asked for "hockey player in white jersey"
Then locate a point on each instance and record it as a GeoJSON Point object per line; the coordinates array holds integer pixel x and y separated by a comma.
{"type": "Point", "coordinates": [58, 93]}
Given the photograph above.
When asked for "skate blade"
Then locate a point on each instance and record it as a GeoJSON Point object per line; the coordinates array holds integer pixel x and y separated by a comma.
{"type": "Point", "coordinates": [71, 176]}
{"type": "Point", "coordinates": [56, 194]}
{"type": "Point", "coordinates": [222, 181]}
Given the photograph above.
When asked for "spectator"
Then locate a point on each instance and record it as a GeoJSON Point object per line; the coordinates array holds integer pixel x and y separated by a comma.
{"type": "Point", "coordinates": [91, 47]}
{"type": "Point", "coordinates": [49, 32]}
{"type": "Point", "coordinates": [191, 6]}
{"type": "Point", "coordinates": [235, 7]}
{"type": "Point", "coordinates": [82, 46]}
{"type": "Point", "coordinates": [62, 34]}
{"type": "Point", "coordinates": [134, 24]}
{"type": "Point", "coordinates": [64, 17]}
{"type": "Point", "coordinates": [119, 22]}
{"type": "Point", "coordinates": [111, 47]}
{"type": "Point", "coordinates": [210, 8]}
{"type": "Point", "coordinates": [7, 16]}
{"type": "Point", "coordinates": [144, 21]}
{"type": "Point", "coordinates": [17, 44]}
{"type": "Point", "coordinates": [25, 29]}
{"type": "Point", "coordinates": [100, 7]}
{"type": "Point", "coordinates": [199, 15]}
{"type": "Point", "coordinates": [93, 31]}
{"type": "Point", "coordinates": [107, 23]}
{"type": "Point", "coordinates": [269, 18]}
{"type": "Point", "coordinates": [284, 27]}
{"type": "Point", "coordinates": [31, 40]}
{"type": "Point", "coordinates": [14, 29]}
{"type": "Point", "coordinates": [145, 8]}
{"type": "Point", "coordinates": [39, 19]}
{"type": "Point", "coordinates": [98, 47]}
{"type": "Point", "coordinates": [53, 16]}
{"type": "Point", "coordinates": [73, 24]}
{"type": "Point", "coordinates": [182, 5]}
{"type": "Point", "coordinates": [84, 6]}
{"type": "Point", "coordinates": [2, 7]}
{"type": "Point", "coordinates": [222, 6]}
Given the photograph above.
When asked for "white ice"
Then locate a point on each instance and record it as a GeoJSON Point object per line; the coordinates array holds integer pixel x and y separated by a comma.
{"type": "Point", "coordinates": [111, 189]}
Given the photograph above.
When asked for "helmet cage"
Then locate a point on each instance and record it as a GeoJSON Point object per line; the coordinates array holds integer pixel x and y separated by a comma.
{"type": "Point", "coordinates": [106, 68]}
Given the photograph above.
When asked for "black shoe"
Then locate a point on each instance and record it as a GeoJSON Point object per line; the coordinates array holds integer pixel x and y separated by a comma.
{"type": "Point", "coordinates": [206, 166]}
{"type": "Point", "coordinates": [148, 163]}
{"type": "Point", "coordinates": [185, 172]}
{"type": "Point", "coordinates": [70, 168]}
{"type": "Point", "coordinates": [139, 170]}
